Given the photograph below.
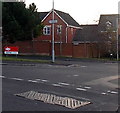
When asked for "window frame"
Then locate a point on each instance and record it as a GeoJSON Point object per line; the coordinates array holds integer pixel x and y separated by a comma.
{"type": "Point", "coordinates": [59, 29]}
{"type": "Point", "coordinates": [47, 30]}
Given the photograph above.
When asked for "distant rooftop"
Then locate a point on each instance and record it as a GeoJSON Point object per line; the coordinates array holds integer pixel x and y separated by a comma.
{"type": "Point", "coordinates": [87, 34]}
{"type": "Point", "coordinates": [108, 18]}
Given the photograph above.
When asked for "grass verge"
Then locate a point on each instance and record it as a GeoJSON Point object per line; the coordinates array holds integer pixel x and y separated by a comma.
{"type": "Point", "coordinates": [24, 60]}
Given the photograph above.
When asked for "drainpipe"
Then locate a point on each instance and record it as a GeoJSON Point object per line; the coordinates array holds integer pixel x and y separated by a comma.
{"type": "Point", "coordinates": [66, 40]}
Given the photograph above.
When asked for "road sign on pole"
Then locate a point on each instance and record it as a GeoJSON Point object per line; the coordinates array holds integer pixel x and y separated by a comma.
{"type": "Point", "coordinates": [11, 50]}
{"type": "Point", "coordinates": [52, 21]}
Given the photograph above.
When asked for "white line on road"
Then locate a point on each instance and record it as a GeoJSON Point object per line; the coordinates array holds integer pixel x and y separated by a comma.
{"type": "Point", "coordinates": [103, 93]}
{"type": "Point", "coordinates": [33, 81]}
{"type": "Point", "coordinates": [112, 92]}
{"type": "Point", "coordinates": [75, 75]}
{"type": "Point", "coordinates": [87, 87]}
{"type": "Point", "coordinates": [57, 85]}
{"type": "Point", "coordinates": [62, 83]}
{"type": "Point", "coordinates": [17, 79]}
{"type": "Point", "coordinates": [44, 80]}
{"type": "Point", "coordinates": [83, 66]}
{"type": "Point", "coordinates": [2, 77]}
{"type": "Point", "coordinates": [81, 89]}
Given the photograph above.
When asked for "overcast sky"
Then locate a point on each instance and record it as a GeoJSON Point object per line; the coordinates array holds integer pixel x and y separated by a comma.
{"type": "Point", "coordinates": [83, 11]}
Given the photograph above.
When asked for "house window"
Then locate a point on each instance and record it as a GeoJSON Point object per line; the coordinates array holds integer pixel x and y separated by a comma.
{"type": "Point", "coordinates": [47, 30]}
{"type": "Point", "coordinates": [59, 29]}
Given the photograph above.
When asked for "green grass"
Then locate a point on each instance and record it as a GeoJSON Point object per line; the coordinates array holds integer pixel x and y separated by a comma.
{"type": "Point", "coordinates": [24, 60]}
{"type": "Point", "coordinates": [46, 61]}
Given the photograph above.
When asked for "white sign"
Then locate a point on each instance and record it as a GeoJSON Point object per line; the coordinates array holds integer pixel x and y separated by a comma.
{"type": "Point", "coordinates": [10, 52]}
{"type": "Point", "coordinates": [52, 21]}
{"type": "Point", "coordinates": [8, 49]}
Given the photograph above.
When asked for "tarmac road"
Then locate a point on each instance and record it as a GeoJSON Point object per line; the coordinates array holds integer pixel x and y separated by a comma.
{"type": "Point", "coordinates": [87, 81]}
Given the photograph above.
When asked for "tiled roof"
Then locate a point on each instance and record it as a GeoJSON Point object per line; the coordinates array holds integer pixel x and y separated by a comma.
{"type": "Point", "coordinates": [88, 33]}
{"type": "Point", "coordinates": [65, 16]}
{"type": "Point", "coordinates": [110, 18]}
{"type": "Point", "coordinates": [42, 15]}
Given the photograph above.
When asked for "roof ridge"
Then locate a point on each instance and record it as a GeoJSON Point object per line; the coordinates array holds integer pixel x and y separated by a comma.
{"type": "Point", "coordinates": [109, 14]}
{"type": "Point", "coordinates": [61, 11]}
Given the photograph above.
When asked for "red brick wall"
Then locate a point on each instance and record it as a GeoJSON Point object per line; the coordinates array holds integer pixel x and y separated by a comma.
{"type": "Point", "coordinates": [45, 48]}
{"type": "Point", "coordinates": [24, 47]}
{"type": "Point", "coordinates": [42, 48]}
{"type": "Point", "coordinates": [70, 34]}
{"type": "Point", "coordinates": [57, 37]}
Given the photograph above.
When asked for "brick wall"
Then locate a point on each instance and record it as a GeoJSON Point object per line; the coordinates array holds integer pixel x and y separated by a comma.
{"type": "Point", "coordinates": [64, 49]}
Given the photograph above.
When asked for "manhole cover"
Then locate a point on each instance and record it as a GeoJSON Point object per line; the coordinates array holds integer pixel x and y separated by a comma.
{"type": "Point", "coordinates": [53, 99]}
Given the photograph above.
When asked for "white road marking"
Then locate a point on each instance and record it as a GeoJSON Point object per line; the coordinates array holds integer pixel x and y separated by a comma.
{"type": "Point", "coordinates": [112, 92]}
{"type": "Point", "coordinates": [44, 80]}
{"type": "Point", "coordinates": [108, 91]}
{"type": "Point", "coordinates": [83, 66]}
{"type": "Point", "coordinates": [87, 87]}
{"type": "Point", "coordinates": [75, 75]}
{"type": "Point", "coordinates": [57, 85]}
{"type": "Point", "coordinates": [68, 102]}
{"type": "Point", "coordinates": [33, 81]}
{"type": "Point", "coordinates": [81, 89]}
{"type": "Point", "coordinates": [2, 77]}
{"type": "Point", "coordinates": [17, 79]}
{"type": "Point", "coordinates": [103, 93]}
{"type": "Point", "coordinates": [62, 83]}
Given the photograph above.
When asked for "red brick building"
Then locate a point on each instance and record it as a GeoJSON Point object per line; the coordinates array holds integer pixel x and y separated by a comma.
{"type": "Point", "coordinates": [65, 28]}
{"type": "Point", "coordinates": [69, 39]}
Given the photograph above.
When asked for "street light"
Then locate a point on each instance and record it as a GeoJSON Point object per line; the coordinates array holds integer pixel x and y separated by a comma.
{"type": "Point", "coordinates": [53, 51]}
{"type": "Point", "coordinates": [117, 26]}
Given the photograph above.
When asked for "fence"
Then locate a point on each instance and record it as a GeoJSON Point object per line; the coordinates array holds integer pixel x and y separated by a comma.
{"type": "Point", "coordinates": [61, 49]}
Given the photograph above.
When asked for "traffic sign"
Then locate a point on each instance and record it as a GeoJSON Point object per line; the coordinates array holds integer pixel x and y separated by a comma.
{"type": "Point", "coordinates": [11, 50]}
{"type": "Point", "coordinates": [52, 21]}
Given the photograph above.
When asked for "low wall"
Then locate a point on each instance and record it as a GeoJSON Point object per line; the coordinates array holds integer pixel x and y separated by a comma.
{"type": "Point", "coordinates": [63, 49]}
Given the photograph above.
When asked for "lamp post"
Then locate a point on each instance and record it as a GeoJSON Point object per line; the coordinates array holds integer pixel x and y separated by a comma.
{"type": "Point", "coordinates": [117, 38]}
{"type": "Point", "coordinates": [53, 51]}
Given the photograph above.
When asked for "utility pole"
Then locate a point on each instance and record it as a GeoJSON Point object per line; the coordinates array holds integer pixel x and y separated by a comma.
{"type": "Point", "coordinates": [53, 51]}
{"type": "Point", "coordinates": [117, 37]}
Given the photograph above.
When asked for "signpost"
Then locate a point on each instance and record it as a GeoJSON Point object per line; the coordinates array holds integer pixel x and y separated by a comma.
{"type": "Point", "coordinates": [11, 50]}
{"type": "Point", "coordinates": [52, 21]}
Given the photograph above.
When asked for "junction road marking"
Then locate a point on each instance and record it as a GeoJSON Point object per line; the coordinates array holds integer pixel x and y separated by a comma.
{"type": "Point", "coordinates": [17, 79]}
{"type": "Point", "coordinates": [2, 77]}
{"type": "Point", "coordinates": [83, 66]}
{"type": "Point", "coordinates": [87, 87]}
{"type": "Point", "coordinates": [57, 85]}
{"type": "Point", "coordinates": [44, 80]}
{"type": "Point", "coordinates": [75, 75]}
{"type": "Point", "coordinates": [68, 102]}
{"type": "Point", "coordinates": [62, 83]}
{"type": "Point", "coordinates": [81, 89]}
{"type": "Point", "coordinates": [33, 81]}
{"type": "Point", "coordinates": [104, 93]}
{"type": "Point", "coordinates": [112, 92]}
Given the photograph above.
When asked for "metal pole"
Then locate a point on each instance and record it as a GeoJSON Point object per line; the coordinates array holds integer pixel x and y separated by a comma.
{"type": "Point", "coordinates": [117, 39]}
{"type": "Point", "coordinates": [53, 51]}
